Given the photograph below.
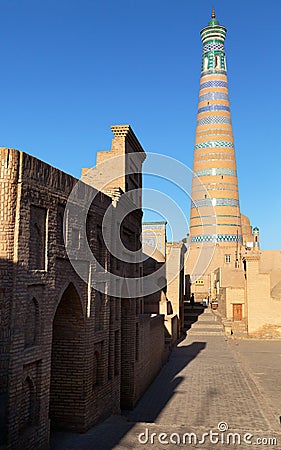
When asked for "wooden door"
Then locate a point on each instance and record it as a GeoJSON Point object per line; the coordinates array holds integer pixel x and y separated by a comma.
{"type": "Point", "coordinates": [237, 312]}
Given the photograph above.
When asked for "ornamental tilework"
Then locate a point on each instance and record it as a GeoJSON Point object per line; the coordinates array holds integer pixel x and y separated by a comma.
{"type": "Point", "coordinates": [216, 225]}
{"type": "Point", "coordinates": [213, 108]}
{"type": "Point", "coordinates": [212, 41]}
{"type": "Point", "coordinates": [221, 131]}
{"type": "Point", "coordinates": [212, 188]}
{"type": "Point", "coordinates": [227, 202]}
{"type": "Point", "coordinates": [217, 238]}
{"type": "Point", "coordinates": [215, 171]}
{"type": "Point", "coordinates": [217, 31]}
{"type": "Point", "coordinates": [213, 46]}
{"type": "Point", "coordinates": [212, 71]}
{"type": "Point", "coordinates": [213, 120]}
{"type": "Point", "coordinates": [213, 96]}
{"type": "Point", "coordinates": [217, 215]}
{"type": "Point", "coordinates": [213, 83]}
{"type": "Point", "coordinates": [215, 202]}
{"type": "Point", "coordinates": [210, 144]}
{"type": "Point", "coordinates": [201, 160]}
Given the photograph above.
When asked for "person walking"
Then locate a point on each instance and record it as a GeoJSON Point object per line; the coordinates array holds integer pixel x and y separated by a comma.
{"type": "Point", "coordinates": [192, 300]}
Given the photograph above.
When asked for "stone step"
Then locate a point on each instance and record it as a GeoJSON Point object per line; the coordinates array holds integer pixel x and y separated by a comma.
{"type": "Point", "coordinates": [202, 319]}
{"type": "Point", "coordinates": [207, 325]}
{"type": "Point", "coordinates": [239, 327]}
{"type": "Point", "coordinates": [204, 323]}
{"type": "Point", "coordinates": [207, 317]}
{"type": "Point", "coordinates": [203, 332]}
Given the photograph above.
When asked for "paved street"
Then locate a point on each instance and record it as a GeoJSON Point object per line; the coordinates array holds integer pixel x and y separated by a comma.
{"type": "Point", "coordinates": [263, 360]}
{"type": "Point", "coordinates": [210, 379]}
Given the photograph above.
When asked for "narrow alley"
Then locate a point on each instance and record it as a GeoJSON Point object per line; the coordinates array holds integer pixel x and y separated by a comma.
{"type": "Point", "coordinates": [207, 386]}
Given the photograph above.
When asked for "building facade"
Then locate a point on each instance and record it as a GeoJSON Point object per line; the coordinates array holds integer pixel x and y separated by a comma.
{"type": "Point", "coordinates": [167, 261]}
{"type": "Point", "coordinates": [72, 351]}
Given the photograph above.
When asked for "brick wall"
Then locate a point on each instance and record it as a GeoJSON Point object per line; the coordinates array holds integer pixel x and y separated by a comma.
{"type": "Point", "coordinates": [263, 310]}
{"type": "Point", "coordinates": [37, 275]}
{"type": "Point", "coordinates": [73, 353]}
{"type": "Point", "coordinates": [9, 164]}
{"type": "Point", "coordinates": [175, 275]}
{"type": "Point", "coordinates": [150, 353]}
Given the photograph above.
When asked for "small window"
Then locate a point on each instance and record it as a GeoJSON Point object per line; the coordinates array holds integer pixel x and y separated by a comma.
{"type": "Point", "coordinates": [227, 258]}
{"type": "Point", "coordinates": [217, 62]}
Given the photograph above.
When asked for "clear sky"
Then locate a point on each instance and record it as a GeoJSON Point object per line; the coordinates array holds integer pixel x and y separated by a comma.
{"type": "Point", "coordinates": [72, 68]}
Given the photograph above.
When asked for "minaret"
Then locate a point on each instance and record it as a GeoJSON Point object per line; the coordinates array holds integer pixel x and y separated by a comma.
{"type": "Point", "coordinates": [215, 212]}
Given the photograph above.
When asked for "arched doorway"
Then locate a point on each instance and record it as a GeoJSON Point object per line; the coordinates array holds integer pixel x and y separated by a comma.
{"type": "Point", "coordinates": [68, 363]}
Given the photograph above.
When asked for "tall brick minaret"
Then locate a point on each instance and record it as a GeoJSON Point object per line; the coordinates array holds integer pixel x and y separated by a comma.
{"type": "Point", "coordinates": [214, 153]}
{"type": "Point", "coordinates": [215, 213]}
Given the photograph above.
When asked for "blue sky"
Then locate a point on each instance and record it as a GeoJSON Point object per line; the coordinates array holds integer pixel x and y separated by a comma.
{"type": "Point", "coordinates": [71, 68]}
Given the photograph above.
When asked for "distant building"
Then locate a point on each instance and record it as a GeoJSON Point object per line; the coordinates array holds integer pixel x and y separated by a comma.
{"type": "Point", "coordinates": [167, 261]}
{"type": "Point", "coordinates": [224, 261]}
{"type": "Point", "coordinates": [154, 235]}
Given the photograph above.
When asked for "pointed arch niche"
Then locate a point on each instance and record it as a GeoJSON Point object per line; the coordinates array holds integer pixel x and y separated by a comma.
{"type": "Point", "coordinates": [27, 403]}
{"type": "Point", "coordinates": [68, 363]}
{"type": "Point", "coordinates": [217, 62]}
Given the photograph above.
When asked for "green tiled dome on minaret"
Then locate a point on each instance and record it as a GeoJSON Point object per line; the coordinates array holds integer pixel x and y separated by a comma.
{"type": "Point", "coordinates": [213, 20]}
{"type": "Point", "coordinates": [215, 212]}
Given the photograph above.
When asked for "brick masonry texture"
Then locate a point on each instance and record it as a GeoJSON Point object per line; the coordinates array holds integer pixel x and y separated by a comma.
{"type": "Point", "coordinates": [70, 355]}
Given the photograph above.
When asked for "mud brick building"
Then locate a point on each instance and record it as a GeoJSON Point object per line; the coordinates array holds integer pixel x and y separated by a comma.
{"type": "Point", "coordinates": [167, 260]}
{"type": "Point", "coordinates": [71, 352]}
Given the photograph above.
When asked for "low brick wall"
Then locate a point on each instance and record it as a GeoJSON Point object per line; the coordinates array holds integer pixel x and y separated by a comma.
{"type": "Point", "coordinates": [151, 351]}
{"type": "Point", "coordinates": [172, 328]}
